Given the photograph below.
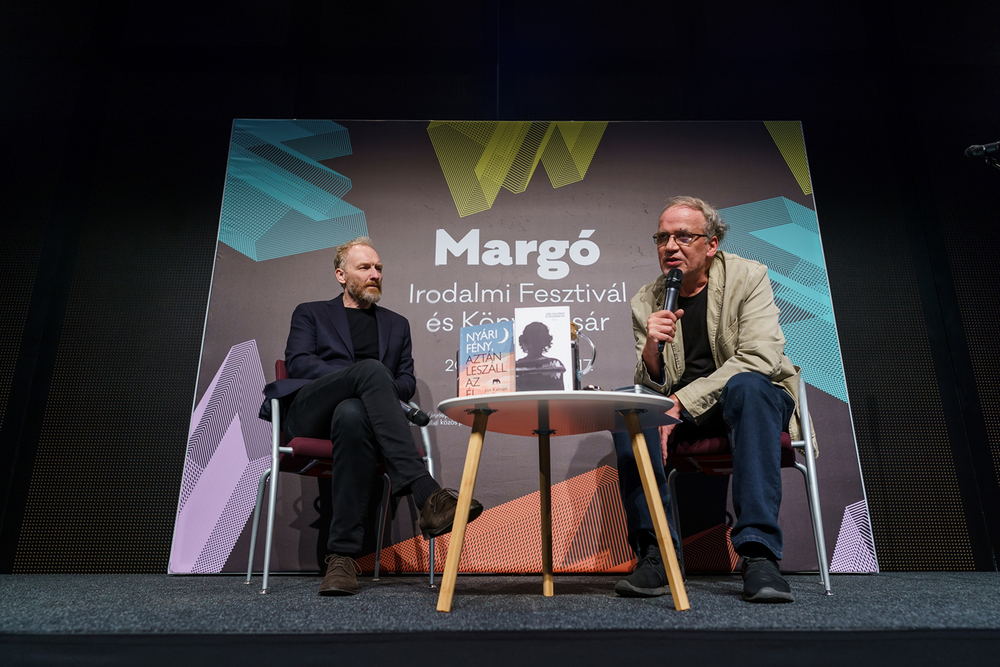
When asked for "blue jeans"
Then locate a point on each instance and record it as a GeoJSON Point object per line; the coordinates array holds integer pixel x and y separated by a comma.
{"type": "Point", "coordinates": [752, 413]}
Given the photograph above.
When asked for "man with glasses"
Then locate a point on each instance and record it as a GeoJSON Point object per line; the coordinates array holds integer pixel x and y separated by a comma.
{"type": "Point", "coordinates": [720, 358]}
{"type": "Point", "coordinates": [349, 364]}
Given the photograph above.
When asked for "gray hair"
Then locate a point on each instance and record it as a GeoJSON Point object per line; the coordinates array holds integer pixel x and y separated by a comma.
{"type": "Point", "coordinates": [714, 224]}
{"type": "Point", "coordinates": [343, 249]}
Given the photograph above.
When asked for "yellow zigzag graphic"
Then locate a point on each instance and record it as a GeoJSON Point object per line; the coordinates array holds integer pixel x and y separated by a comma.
{"type": "Point", "coordinates": [787, 135]}
{"type": "Point", "coordinates": [480, 157]}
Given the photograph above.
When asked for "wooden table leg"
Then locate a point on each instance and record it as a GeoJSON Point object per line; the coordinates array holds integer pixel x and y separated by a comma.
{"type": "Point", "coordinates": [462, 511]}
{"type": "Point", "coordinates": [545, 495]}
{"type": "Point", "coordinates": [655, 503]}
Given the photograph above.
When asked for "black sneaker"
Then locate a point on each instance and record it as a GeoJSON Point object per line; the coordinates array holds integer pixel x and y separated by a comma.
{"type": "Point", "coordinates": [762, 582]}
{"type": "Point", "coordinates": [648, 579]}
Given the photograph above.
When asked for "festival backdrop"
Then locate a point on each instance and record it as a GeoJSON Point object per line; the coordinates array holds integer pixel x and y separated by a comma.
{"type": "Point", "coordinates": [473, 220]}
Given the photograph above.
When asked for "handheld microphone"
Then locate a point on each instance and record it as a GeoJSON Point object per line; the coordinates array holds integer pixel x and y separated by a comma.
{"type": "Point", "coordinates": [417, 416]}
{"type": "Point", "coordinates": [977, 150]}
{"type": "Point", "coordinates": [674, 278]}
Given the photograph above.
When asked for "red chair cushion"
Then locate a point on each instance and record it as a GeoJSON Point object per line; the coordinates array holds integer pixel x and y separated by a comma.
{"type": "Point", "coordinates": [305, 465]}
{"type": "Point", "coordinates": [311, 447]}
{"type": "Point", "coordinates": [713, 455]}
{"type": "Point", "coordinates": [310, 456]}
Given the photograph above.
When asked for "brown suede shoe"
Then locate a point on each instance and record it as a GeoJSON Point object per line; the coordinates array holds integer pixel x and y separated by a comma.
{"type": "Point", "coordinates": [438, 513]}
{"type": "Point", "coordinates": [341, 576]}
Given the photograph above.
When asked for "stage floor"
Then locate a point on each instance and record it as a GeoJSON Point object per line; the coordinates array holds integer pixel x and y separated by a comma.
{"type": "Point", "coordinates": [223, 605]}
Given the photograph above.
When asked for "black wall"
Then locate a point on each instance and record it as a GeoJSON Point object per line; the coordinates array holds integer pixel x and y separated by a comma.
{"type": "Point", "coordinates": [115, 127]}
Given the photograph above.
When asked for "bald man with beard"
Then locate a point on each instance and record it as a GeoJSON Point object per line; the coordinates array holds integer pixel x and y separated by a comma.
{"type": "Point", "coordinates": [349, 365]}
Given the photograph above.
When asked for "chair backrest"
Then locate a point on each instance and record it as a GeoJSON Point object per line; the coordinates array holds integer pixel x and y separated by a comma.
{"type": "Point", "coordinates": [312, 455]}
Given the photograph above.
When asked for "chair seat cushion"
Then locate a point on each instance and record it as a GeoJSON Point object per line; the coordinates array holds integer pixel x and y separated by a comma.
{"type": "Point", "coordinates": [713, 456]}
{"type": "Point", "coordinates": [306, 465]}
{"type": "Point", "coordinates": [313, 457]}
{"type": "Point", "coordinates": [311, 448]}
{"type": "Point", "coordinates": [310, 456]}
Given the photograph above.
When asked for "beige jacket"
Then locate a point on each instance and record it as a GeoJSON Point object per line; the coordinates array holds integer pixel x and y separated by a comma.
{"type": "Point", "coordinates": [743, 332]}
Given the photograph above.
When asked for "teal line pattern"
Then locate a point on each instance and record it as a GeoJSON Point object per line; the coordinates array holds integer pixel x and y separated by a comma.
{"type": "Point", "coordinates": [784, 236]}
{"type": "Point", "coordinates": [280, 200]}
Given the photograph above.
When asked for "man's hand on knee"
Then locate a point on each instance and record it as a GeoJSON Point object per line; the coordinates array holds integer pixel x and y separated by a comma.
{"type": "Point", "coordinates": [667, 432]}
{"type": "Point", "coordinates": [666, 436]}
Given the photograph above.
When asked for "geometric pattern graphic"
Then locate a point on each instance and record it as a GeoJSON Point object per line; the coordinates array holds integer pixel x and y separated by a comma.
{"type": "Point", "coordinates": [855, 550]}
{"type": "Point", "coordinates": [588, 534]}
{"type": "Point", "coordinates": [787, 135]}
{"type": "Point", "coordinates": [228, 448]}
{"type": "Point", "coordinates": [279, 182]}
{"type": "Point", "coordinates": [784, 236]}
{"type": "Point", "coordinates": [279, 200]}
{"type": "Point", "coordinates": [710, 551]}
{"type": "Point", "coordinates": [478, 158]}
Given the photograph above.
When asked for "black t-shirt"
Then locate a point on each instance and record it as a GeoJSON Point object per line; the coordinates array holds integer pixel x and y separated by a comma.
{"type": "Point", "coordinates": [364, 332]}
{"type": "Point", "coordinates": [698, 361]}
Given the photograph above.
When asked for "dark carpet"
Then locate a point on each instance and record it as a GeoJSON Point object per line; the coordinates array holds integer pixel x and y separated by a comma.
{"type": "Point", "coordinates": [912, 618]}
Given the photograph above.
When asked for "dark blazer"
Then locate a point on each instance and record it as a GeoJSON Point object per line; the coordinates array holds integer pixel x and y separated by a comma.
{"type": "Point", "coordinates": [319, 343]}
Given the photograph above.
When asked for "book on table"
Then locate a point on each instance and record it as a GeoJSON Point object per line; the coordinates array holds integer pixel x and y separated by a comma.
{"type": "Point", "coordinates": [486, 359]}
{"type": "Point", "coordinates": [545, 358]}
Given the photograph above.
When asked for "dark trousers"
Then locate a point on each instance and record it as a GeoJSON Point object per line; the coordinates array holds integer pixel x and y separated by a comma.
{"type": "Point", "coordinates": [358, 410]}
{"type": "Point", "coordinates": [752, 413]}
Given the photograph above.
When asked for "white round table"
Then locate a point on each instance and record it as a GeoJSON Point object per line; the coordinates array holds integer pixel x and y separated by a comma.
{"type": "Point", "coordinates": [555, 413]}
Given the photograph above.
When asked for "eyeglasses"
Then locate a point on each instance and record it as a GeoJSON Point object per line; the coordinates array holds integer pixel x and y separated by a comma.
{"type": "Point", "coordinates": [682, 238]}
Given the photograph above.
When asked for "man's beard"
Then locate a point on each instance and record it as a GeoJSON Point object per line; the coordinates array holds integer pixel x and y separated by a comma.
{"type": "Point", "coordinates": [368, 294]}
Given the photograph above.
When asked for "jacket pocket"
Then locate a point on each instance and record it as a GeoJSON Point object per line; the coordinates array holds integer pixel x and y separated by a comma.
{"type": "Point", "coordinates": [729, 338]}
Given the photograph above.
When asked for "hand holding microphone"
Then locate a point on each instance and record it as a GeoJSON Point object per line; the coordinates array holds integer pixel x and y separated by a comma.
{"type": "Point", "coordinates": [674, 279]}
{"type": "Point", "coordinates": [661, 325]}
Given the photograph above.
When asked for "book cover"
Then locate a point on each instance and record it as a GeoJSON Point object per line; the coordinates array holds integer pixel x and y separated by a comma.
{"type": "Point", "coordinates": [486, 359]}
{"type": "Point", "coordinates": [545, 355]}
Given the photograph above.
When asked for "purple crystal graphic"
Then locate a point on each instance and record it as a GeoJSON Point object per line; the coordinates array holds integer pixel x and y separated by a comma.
{"type": "Point", "coordinates": [228, 448]}
{"type": "Point", "coordinates": [855, 550]}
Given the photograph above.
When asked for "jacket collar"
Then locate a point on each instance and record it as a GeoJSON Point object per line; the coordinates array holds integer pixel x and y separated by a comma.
{"type": "Point", "coordinates": [716, 291]}
{"type": "Point", "coordinates": [384, 328]}
{"type": "Point", "coordinates": [338, 317]}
